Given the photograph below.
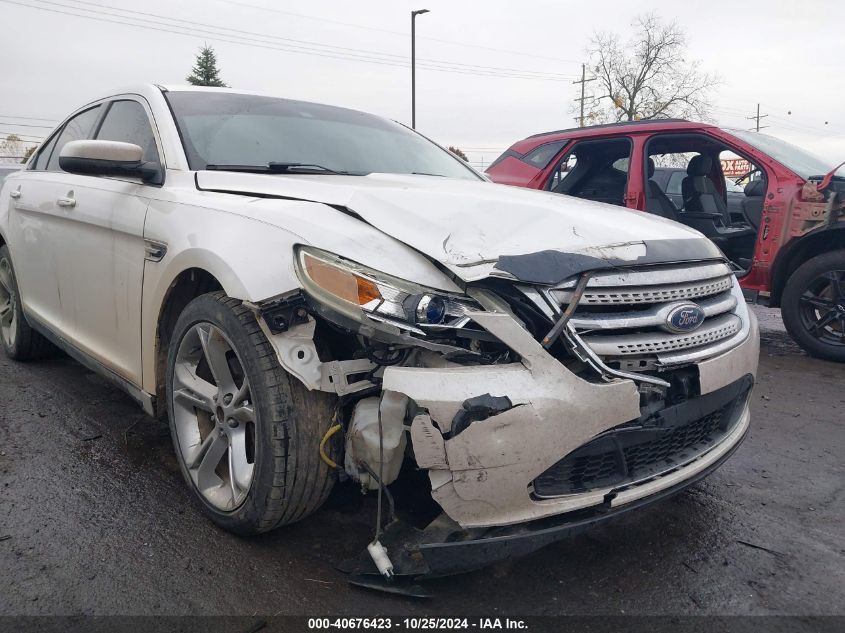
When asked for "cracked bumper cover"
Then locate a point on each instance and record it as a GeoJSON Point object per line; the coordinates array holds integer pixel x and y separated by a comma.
{"type": "Point", "coordinates": [444, 550]}
{"type": "Point", "coordinates": [482, 476]}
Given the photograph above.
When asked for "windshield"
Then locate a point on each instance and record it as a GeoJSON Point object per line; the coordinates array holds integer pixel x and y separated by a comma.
{"type": "Point", "coordinates": [226, 129]}
{"type": "Point", "coordinates": [798, 160]}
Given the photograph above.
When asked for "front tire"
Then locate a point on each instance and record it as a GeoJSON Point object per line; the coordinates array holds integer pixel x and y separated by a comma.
{"type": "Point", "coordinates": [813, 306]}
{"type": "Point", "coordinates": [19, 340]}
{"type": "Point", "coordinates": [246, 433]}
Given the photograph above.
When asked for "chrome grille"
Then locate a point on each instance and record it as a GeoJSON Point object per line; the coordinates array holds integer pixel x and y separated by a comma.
{"type": "Point", "coordinates": [653, 343]}
{"type": "Point", "coordinates": [623, 314]}
{"type": "Point", "coordinates": [676, 292]}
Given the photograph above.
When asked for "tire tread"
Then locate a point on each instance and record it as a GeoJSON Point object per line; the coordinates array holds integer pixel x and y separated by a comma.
{"type": "Point", "coordinates": [301, 481]}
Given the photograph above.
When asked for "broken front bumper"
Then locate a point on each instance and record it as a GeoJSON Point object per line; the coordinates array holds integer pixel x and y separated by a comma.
{"type": "Point", "coordinates": [483, 476]}
{"type": "Point", "coordinates": [443, 549]}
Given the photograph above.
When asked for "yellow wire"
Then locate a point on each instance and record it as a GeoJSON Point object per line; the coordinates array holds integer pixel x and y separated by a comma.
{"type": "Point", "coordinates": [326, 437]}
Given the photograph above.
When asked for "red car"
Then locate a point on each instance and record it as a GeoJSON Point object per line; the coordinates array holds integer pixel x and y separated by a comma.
{"type": "Point", "coordinates": [785, 237]}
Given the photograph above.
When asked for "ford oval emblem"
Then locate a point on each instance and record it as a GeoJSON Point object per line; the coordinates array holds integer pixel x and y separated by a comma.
{"type": "Point", "coordinates": [685, 318]}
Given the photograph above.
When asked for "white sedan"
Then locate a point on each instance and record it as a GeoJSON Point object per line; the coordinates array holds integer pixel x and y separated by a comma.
{"type": "Point", "coordinates": [311, 293]}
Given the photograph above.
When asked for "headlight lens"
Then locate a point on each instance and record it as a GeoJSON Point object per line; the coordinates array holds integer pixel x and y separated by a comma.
{"type": "Point", "coordinates": [366, 294]}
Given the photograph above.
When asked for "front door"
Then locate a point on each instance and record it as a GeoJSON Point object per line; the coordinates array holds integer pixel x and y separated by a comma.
{"type": "Point", "coordinates": [103, 249]}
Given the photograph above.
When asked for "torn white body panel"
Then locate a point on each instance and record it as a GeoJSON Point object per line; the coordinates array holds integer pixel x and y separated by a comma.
{"type": "Point", "coordinates": [482, 477]}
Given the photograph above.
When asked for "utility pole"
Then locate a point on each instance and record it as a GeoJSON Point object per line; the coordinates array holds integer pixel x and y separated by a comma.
{"type": "Point", "coordinates": [757, 118]}
{"type": "Point", "coordinates": [583, 83]}
{"type": "Point", "coordinates": [414, 15]}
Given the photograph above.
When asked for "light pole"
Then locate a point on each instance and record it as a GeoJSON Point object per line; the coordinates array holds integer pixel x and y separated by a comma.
{"type": "Point", "coordinates": [414, 15]}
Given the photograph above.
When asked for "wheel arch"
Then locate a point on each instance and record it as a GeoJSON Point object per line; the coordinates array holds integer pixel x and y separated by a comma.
{"type": "Point", "coordinates": [186, 286]}
{"type": "Point", "coordinates": [800, 250]}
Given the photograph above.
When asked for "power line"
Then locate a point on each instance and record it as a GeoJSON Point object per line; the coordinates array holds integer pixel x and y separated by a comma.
{"type": "Point", "coordinates": [779, 122]}
{"type": "Point", "coordinates": [35, 139]}
{"type": "Point", "coordinates": [325, 51]}
{"type": "Point", "coordinates": [27, 118]}
{"type": "Point", "coordinates": [400, 33]}
{"type": "Point", "coordinates": [329, 47]}
{"type": "Point", "coordinates": [789, 122]}
{"type": "Point", "coordinates": [49, 127]}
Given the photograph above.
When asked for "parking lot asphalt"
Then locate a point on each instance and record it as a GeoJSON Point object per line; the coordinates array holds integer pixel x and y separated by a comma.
{"type": "Point", "coordinates": [95, 519]}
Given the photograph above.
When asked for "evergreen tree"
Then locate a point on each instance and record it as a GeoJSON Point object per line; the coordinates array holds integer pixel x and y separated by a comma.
{"type": "Point", "coordinates": [205, 71]}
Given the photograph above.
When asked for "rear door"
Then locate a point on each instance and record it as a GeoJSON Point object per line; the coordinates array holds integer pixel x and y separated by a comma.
{"type": "Point", "coordinates": [38, 221]}
{"type": "Point", "coordinates": [594, 170]}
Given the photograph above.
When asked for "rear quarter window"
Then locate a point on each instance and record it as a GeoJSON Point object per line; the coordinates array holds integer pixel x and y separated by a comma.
{"type": "Point", "coordinates": [541, 156]}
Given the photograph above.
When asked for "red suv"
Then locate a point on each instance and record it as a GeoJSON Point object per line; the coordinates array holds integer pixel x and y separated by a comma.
{"type": "Point", "coordinates": [784, 233]}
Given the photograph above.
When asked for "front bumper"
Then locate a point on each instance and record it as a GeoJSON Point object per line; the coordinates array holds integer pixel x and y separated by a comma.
{"type": "Point", "coordinates": [482, 476]}
{"type": "Point", "coordinates": [443, 549]}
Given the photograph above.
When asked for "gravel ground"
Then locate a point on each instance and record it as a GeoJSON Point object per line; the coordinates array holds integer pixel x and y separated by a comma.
{"type": "Point", "coordinates": [95, 519]}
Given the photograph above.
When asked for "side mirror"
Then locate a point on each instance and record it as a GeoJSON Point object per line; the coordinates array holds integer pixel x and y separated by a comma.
{"type": "Point", "coordinates": [108, 158]}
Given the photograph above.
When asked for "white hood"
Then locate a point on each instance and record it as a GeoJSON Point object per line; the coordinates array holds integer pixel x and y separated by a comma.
{"type": "Point", "coordinates": [467, 225]}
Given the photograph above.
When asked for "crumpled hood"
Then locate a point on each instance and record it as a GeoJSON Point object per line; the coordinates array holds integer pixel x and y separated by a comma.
{"type": "Point", "coordinates": [469, 225]}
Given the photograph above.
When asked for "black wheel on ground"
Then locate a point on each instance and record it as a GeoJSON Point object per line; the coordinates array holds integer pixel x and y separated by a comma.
{"type": "Point", "coordinates": [19, 340]}
{"type": "Point", "coordinates": [813, 306]}
{"type": "Point", "coordinates": [246, 433]}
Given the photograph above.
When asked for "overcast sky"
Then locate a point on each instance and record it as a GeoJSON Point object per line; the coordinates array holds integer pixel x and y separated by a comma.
{"type": "Point", "coordinates": [488, 72]}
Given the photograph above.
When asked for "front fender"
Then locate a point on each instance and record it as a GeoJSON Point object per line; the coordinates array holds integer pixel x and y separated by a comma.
{"type": "Point", "coordinates": [250, 259]}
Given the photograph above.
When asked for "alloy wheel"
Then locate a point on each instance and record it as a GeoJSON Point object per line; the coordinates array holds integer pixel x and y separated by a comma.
{"type": "Point", "coordinates": [822, 307]}
{"type": "Point", "coordinates": [8, 304]}
{"type": "Point", "coordinates": [214, 416]}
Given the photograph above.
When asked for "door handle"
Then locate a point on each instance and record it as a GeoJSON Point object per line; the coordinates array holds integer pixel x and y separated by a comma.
{"type": "Point", "coordinates": [16, 194]}
{"type": "Point", "coordinates": [66, 202]}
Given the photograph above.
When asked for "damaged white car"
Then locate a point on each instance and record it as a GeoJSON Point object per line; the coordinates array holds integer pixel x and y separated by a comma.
{"type": "Point", "coordinates": [311, 293]}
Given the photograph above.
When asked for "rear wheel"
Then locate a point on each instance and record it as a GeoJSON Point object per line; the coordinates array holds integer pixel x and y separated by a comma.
{"type": "Point", "coordinates": [246, 433]}
{"type": "Point", "coordinates": [18, 339]}
{"type": "Point", "coordinates": [813, 306]}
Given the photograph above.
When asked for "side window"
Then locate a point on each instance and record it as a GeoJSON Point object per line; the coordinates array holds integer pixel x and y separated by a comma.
{"type": "Point", "coordinates": [127, 121]}
{"type": "Point", "coordinates": [595, 170]}
{"type": "Point", "coordinates": [44, 155]}
{"type": "Point", "coordinates": [675, 180]}
{"type": "Point", "coordinates": [735, 167]}
{"type": "Point", "coordinates": [540, 157]}
{"type": "Point", "coordinates": [79, 127]}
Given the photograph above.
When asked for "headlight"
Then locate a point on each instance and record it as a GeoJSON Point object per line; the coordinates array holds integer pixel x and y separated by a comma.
{"type": "Point", "coordinates": [364, 294]}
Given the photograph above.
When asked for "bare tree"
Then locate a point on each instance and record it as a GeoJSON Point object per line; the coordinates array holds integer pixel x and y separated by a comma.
{"type": "Point", "coordinates": [11, 149]}
{"type": "Point", "coordinates": [457, 151]}
{"type": "Point", "coordinates": [29, 151]}
{"type": "Point", "coordinates": [649, 76]}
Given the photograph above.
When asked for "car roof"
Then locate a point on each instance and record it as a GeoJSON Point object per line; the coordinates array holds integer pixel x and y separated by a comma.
{"type": "Point", "coordinates": [607, 129]}
{"type": "Point", "coordinates": [149, 90]}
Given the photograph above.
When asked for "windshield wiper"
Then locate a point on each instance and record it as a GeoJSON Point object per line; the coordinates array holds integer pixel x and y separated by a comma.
{"type": "Point", "coordinates": [279, 168]}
